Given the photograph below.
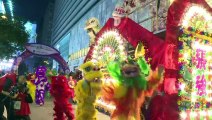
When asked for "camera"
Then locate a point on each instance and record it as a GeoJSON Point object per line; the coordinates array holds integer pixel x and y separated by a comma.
{"type": "Point", "coordinates": [18, 88]}
{"type": "Point", "coordinates": [14, 90]}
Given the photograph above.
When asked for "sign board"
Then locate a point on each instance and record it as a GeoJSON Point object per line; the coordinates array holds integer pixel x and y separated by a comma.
{"type": "Point", "coordinates": [40, 49]}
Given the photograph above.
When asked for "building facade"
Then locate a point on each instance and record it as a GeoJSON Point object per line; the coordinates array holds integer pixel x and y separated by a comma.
{"type": "Point", "coordinates": [31, 30]}
{"type": "Point", "coordinates": [2, 9]}
{"type": "Point", "coordinates": [46, 31]}
{"type": "Point", "coordinates": [70, 16]}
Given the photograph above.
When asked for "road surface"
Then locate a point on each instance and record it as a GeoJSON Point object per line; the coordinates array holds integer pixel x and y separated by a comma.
{"type": "Point", "coordinates": [46, 112]}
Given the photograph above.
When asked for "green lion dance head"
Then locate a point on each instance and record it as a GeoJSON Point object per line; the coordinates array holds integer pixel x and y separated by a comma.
{"type": "Point", "coordinates": [92, 75]}
{"type": "Point", "coordinates": [130, 73]}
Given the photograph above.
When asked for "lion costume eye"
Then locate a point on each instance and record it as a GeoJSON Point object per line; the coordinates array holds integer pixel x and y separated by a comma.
{"type": "Point", "coordinates": [87, 69]}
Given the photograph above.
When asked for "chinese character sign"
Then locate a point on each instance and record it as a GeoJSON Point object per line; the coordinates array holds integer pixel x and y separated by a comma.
{"type": "Point", "coordinates": [200, 79]}
{"type": "Point", "coordinates": [200, 58]}
{"type": "Point", "coordinates": [201, 85]}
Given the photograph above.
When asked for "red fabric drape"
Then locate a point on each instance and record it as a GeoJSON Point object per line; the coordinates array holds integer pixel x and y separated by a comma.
{"type": "Point", "coordinates": [134, 33]}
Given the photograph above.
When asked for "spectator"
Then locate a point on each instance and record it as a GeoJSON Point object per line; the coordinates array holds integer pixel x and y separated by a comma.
{"type": "Point", "coordinates": [72, 83]}
{"type": "Point", "coordinates": [78, 75]}
{"type": "Point", "coordinates": [22, 109]}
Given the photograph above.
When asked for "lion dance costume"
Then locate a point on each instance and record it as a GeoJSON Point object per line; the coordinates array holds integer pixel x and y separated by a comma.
{"type": "Point", "coordinates": [87, 91]}
{"type": "Point", "coordinates": [31, 85]}
{"type": "Point", "coordinates": [130, 87]}
{"type": "Point", "coordinates": [42, 85]}
{"type": "Point", "coordinates": [61, 92]}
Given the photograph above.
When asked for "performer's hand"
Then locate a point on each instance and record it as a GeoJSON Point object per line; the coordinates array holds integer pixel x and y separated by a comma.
{"type": "Point", "coordinates": [5, 93]}
{"type": "Point", "coordinates": [14, 97]}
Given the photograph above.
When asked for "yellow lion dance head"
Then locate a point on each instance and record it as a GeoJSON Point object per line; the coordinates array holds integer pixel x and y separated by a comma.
{"type": "Point", "coordinates": [93, 75]}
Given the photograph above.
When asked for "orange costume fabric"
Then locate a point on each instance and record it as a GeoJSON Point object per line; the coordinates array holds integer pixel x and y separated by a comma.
{"type": "Point", "coordinates": [128, 93]}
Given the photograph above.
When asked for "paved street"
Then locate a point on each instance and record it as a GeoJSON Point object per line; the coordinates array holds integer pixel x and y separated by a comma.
{"type": "Point", "coordinates": [46, 112]}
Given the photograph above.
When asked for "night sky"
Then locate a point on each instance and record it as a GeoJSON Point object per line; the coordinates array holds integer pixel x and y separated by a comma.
{"type": "Point", "coordinates": [32, 10]}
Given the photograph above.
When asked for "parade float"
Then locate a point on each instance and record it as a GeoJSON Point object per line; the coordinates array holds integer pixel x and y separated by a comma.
{"type": "Point", "coordinates": [110, 47]}
{"type": "Point", "coordinates": [188, 61]}
{"type": "Point", "coordinates": [195, 62]}
{"type": "Point", "coordinates": [117, 43]}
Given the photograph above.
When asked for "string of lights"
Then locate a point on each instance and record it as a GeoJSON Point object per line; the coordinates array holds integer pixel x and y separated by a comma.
{"type": "Point", "coordinates": [195, 62]}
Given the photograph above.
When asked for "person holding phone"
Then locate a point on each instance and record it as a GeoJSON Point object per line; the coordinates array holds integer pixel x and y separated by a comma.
{"type": "Point", "coordinates": [22, 100]}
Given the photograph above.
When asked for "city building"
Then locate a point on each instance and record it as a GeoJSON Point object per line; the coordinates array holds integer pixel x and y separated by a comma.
{"type": "Point", "coordinates": [2, 9]}
{"type": "Point", "coordinates": [70, 38]}
{"type": "Point", "coordinates": [7, 7]}
{"type": "Point", "coordinates": [46, 30]}
{"type": "Point", "coordinates": [31, 29]}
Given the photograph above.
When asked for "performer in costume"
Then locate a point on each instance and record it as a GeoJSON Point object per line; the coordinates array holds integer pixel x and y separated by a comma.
{"type": "Point", "coordinates": [71, 81]}
{"type": "Point", "coordinates": [62, 93]}
{"type": "Point", "coordinates": [22, 100]}
{"type": "Point", "coordinates": [31, 85]}
{"type": "Point", "coordinates": [49, 74]}
{"type": "Point", "coordinates": [130, 87]}
{"type": "Point", "coordinates": [92, 27]}
{"type": "Point", "coordinates": [42, 85]}
{"type": "Point", "coordinates": [87, 91]}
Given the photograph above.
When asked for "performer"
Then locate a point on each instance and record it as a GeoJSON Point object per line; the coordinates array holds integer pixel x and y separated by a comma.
{"type": "Point", "coordinates": [21, 106]}
{"type": "Point", "coordinates": [42, 85]}
{"type": "Point", "coordinates": [92, 27]}
{"type": "Point", "coordinates": [130, 87]}
{"type": "Point", "coordinates": [31, 84]}
{"type": "Point", "coordinates": [72, 83]}
{"type": "Point", "coordinates": [87, 91]}
{"type": "Point", "coordinates": [62, 93]}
